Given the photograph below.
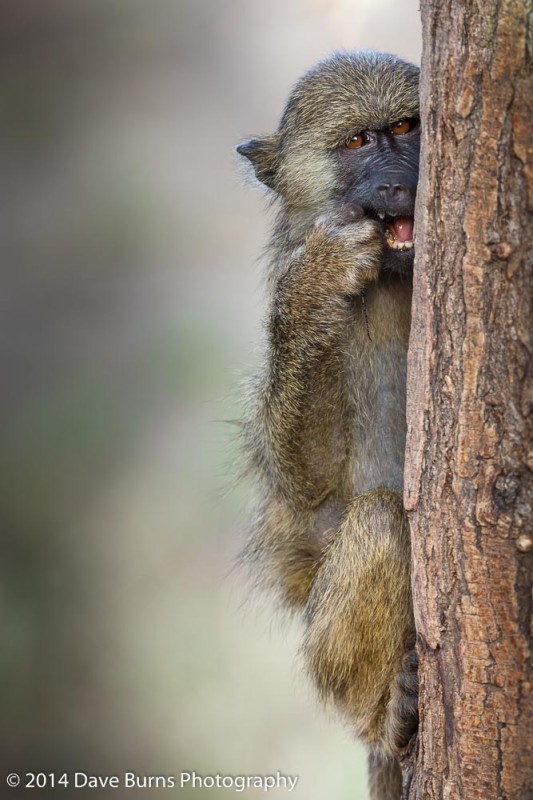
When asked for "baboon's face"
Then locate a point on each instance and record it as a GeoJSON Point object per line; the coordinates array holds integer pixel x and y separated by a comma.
{"type": "Point", "coordinates": [350, 133]}
{"type": "Point", "coordinates": [378, 170]}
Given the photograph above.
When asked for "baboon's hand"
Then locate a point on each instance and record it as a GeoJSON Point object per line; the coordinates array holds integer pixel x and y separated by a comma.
{"type": "Point", "coordinates": [402, 721]}
{"type": "Point", "coordinates": [348, 246]}
{"type": "Point", "coordinates": [340, 257]}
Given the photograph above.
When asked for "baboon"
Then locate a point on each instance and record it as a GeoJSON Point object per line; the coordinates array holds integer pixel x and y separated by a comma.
{"type": "Point", "coordinates": [325, 433]}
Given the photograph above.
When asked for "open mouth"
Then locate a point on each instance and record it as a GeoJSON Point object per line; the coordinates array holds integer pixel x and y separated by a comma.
{"type": "Point", "coordinates": [399, 231]}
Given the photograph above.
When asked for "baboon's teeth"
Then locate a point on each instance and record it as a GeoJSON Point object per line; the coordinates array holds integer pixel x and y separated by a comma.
{"type": "Point", "coordinates": [381, 214]}
{"type": "Point", "coordinates": [400, 233]}
{"type": "Point", "coordinates": [395, 244]}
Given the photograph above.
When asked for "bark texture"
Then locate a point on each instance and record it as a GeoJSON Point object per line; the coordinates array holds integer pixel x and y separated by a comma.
{"type": "Point", "coordinates": [469, 463]}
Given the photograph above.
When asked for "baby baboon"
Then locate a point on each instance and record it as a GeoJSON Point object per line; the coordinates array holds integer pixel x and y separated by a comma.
{"type": "Point", "coordinates": [326, 430]}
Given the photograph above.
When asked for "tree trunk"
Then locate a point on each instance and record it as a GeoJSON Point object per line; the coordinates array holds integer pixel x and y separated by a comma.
{"type": "Point", "coordinates": [469, 462]}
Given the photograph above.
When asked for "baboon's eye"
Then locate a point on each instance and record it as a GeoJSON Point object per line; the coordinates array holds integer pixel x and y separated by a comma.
{"type": "Point", "coordinates": [402, 126]}
{"type": "Point", "coordinates": [357, 140]}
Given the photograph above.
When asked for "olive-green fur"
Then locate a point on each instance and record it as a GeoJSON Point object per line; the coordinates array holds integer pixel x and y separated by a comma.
{"type": "Point", "coordinates": [325, 432]}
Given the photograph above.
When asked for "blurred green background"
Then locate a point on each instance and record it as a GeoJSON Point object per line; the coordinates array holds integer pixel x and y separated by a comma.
{"type": "Point", "coordinates": [131, 307]}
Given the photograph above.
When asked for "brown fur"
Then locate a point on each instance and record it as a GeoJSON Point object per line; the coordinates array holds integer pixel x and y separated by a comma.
{"type": "Point", "coordinates": [326, 431]}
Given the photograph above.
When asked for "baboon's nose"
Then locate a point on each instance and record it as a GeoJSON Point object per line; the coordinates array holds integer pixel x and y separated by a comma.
{"type": "Point", "coordinates": [391, 192]}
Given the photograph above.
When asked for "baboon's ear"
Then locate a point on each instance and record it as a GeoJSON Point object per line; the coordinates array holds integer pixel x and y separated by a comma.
{"type": "Point", "coordinates": [264, 156]}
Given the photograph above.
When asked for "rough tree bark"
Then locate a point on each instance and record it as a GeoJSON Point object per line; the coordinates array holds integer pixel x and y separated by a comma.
{"type": "Point", "coordinates": [469, 464]}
